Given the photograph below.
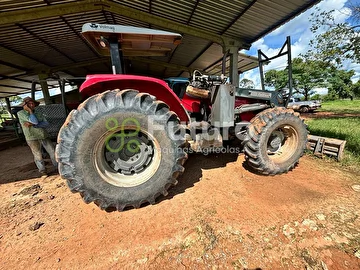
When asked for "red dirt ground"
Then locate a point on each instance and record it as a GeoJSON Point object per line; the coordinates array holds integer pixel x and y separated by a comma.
{"type": "Point", "coordinates": [219, 216]}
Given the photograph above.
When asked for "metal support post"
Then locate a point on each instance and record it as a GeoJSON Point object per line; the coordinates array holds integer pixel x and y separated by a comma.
{"type": "Point", "coordinates": [44, 88]}
{"type": "Point", "coordinates": [261, 68]}
{"type": "Point", "coordinates": [234, 73]}
{"type": "Point", "coordinates": [62, 90]}
{"type": "Point", "coordinates": [291, 84]}
{"type": "Point", "coordinates": [116, 56]}
{"type": "Point", "coordinates": [8, 106]}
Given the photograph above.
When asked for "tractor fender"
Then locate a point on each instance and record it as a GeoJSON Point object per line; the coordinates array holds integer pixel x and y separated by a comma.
{"type": "Point", "coordinates": [95, 84]}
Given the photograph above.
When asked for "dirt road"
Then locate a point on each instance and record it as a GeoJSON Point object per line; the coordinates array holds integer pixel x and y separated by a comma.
{"type": "Point", "coordinates": [219, 216]}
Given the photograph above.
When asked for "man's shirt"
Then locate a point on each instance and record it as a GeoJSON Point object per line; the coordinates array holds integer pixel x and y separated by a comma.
{"type": "Point", "coordinates": [35, 132]}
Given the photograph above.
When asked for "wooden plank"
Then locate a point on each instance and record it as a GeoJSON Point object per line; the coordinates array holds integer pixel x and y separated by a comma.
{"type": "Point", "coordinates": [329, 141]}
{"type": "Point", "coordinates": [328, 146]}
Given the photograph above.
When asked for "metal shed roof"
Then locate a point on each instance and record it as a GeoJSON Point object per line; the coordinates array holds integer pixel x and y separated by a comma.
{"type": "Point", "coordinates": [44, 36]}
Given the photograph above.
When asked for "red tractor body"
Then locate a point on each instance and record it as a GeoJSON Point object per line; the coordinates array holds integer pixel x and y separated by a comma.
{"type": "Point", "coordinates": [95, 84]}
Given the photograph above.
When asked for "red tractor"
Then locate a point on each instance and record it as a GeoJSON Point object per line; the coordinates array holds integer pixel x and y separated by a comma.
{"type": "Point", "coordinates": [127, 143]}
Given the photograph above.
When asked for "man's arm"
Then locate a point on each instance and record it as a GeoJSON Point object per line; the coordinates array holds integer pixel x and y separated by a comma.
{"type": "Point", "coordinates": [36, 122]}
{"type": "Point", "coordinates": [41, 124]}
{"type": "Point", "coordinates": [32, 119]}
{"type": "Point", "coordinates": [24, 119]}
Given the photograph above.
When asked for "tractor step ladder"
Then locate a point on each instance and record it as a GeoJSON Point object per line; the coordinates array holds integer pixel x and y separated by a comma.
{"type": "Point", "coordinates": [326, 146]}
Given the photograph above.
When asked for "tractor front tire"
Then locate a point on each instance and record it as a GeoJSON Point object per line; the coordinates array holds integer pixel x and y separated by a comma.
{"type": "Point", "coordinates": [121, 149]}
{"type": "Point", "coordinates": [276, 139]}
{"type": "Point", "coordinates": [304, 109]}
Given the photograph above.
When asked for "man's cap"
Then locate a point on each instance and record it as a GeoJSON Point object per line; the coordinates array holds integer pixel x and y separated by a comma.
{"type": "Point", "coordinates": [28, 99]}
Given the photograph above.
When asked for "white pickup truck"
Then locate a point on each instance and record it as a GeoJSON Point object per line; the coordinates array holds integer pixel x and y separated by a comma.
{"type": "Point", "coordinates": [303, 106]}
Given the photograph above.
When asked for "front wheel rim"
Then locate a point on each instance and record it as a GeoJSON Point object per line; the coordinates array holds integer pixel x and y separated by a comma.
{"type": "Point", "coordinates": [282, 144]}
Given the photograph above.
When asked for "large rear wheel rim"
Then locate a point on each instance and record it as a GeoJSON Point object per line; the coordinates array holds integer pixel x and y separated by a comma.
{"type": "Point", "coordinates": [127, 157]}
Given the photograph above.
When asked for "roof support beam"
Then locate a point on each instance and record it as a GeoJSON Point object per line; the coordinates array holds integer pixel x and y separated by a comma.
{"type": "Point", "coordinates": [13, 65]}
{"type": "Point", "coordinates": [13, 86]}
{"type": "Point", "coordinates": [19, 16]}
{"type": "Point", "coordinates": [10, 93]}
{"type": "Point", "coordinates": [50, 70]}
{"type": "Point", "coordinates": [44, 88]}
{"type": "Point", "coordinates": [4, 77]}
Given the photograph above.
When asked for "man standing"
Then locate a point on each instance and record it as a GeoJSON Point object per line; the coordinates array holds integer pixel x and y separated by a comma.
{"type": "Point", "coordinates": [33, 123]}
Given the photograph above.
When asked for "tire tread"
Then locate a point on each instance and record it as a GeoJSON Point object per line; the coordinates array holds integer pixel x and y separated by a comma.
{"type": "Point", "coordinates": [256, 130]}
{"type": "Point", "coordinates": [90, 108]}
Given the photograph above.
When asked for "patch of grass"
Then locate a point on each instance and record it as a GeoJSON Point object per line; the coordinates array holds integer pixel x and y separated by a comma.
{"type": "Point", "coordinates": [340, 127]}
{"type": "Point", "coordinates": [344, 128]}
{"type": "Point", "coordinates": [341, 106]}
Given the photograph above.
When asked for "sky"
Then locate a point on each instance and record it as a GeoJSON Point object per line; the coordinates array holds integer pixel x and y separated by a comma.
{"type": "Point", "coordinates": [299, 31]}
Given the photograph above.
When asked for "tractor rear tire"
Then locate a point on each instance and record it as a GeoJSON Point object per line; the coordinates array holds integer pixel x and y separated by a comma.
{"type": "Point", "coordinates": [276, 139]}
{"type": "Point", "coordinates": [121, 149]}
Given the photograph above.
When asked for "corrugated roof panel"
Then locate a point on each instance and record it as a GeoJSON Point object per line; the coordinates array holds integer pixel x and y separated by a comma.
{"type": "Point", "coordinates": [205, 22]}
{"type": "Point", "coordinates": [77, 22]}
{"type": "Point", "coordinates": [263, 16]}
{"type": "Point", "coordinates": [9, 71]}
{"type": "Point", "coordinates": [35, 50]}
{"type": "Point", "coordinates": [94, 69]}
{"type": "Point", "coordinates": [11, 5]}
{"type": "Point", "coordinates": [143, 5]}
{"type": "Point", "coordinates": [22, 44]}
{"type": "Point", "coordinates": [127, 21]}
{"type": "Point", "coordinates": [189, 49]}
{"type": "Point", "coordinates": [59, 36]}
{"type": "Point", "coordinates": [179, 11]}
{"type": "Point", "coordinates": [245, 29]}
{"type": "Point", "coordinates": [209, 57]}
{"type": "Point", "coordinates": [84, 17]}
{"type": "Point", "coordinates": [60, 1]}
{"type": "Point", "coordinates": [207, 14]}
{"type": "Point", "coordinates": [108, 17]}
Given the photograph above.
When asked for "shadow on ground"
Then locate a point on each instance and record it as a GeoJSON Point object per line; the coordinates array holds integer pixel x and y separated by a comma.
{"type": "Point", "coordinates": [193, 171]}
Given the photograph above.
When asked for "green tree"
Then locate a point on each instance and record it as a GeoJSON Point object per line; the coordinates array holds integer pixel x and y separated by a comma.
{"type": "Point", "coordinates": [308, 75]}
{"type": "Point", "coordinates": [355, 89]}
{"type": "Point", "coordinates": [339, 42]}
{"type": "Point", "coordinates": [246, 83]}
{"type": "Point", "coordinates": [4, 113]}
{"type": "Point", "coordinates": [316, 97]}
{"type": "Point", "coordinates": [340, 83]}
{"type": "Point", "coordinates": [276, 78]}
